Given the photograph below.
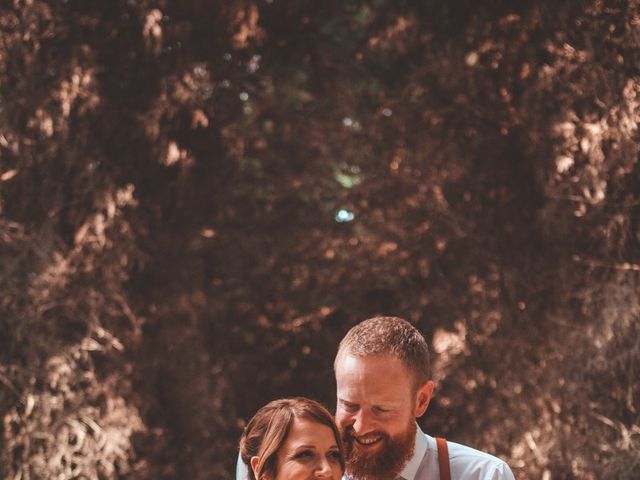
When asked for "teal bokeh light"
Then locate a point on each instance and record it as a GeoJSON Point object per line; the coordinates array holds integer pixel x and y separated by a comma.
{"type": "Point", "coordinates": [343, 216]}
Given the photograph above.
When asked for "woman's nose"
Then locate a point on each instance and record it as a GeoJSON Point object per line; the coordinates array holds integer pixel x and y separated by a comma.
{"type": "Point", "coordinates": [323, 469]}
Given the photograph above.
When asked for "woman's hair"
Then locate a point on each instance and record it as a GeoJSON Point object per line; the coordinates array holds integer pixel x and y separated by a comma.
{"type": "Point", "coordinates": [268, 429]}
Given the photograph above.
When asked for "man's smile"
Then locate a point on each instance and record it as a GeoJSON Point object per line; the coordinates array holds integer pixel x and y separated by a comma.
{"type": "Point", "coordinates": [368, 441]}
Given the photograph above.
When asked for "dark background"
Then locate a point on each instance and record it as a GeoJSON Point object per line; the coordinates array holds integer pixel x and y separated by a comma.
{"type": "Point", "coordinates": [175, 184]}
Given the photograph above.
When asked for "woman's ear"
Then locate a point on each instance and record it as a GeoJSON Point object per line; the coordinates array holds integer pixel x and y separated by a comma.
{"type": "Point", "coordinates": [254, 466]}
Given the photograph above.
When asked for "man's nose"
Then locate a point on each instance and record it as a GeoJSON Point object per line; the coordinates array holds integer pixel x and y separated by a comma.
{"type": "Point", "coordinates": [361, 423]}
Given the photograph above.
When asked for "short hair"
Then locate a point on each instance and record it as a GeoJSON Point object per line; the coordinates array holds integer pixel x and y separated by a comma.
{"type": "Point", "coordinates": [267, 431]}
{"type": "Point", "coordinates": [393, 336]}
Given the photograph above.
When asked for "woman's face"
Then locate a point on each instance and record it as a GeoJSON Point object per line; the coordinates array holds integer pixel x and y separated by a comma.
{"type": "Point", "coordinates": [309, 451]}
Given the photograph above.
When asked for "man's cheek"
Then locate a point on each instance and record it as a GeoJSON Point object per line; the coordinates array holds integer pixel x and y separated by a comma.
{"type": "Point", "coordinates": [342, 420]}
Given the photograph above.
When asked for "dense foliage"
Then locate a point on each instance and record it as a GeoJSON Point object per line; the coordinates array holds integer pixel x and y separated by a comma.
{"type": "Point", "coordinates": [199, 198]}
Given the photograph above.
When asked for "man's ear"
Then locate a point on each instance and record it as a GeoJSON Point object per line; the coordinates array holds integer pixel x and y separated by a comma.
{"type": "Point", "coordinates": [423, 397]}
{"type": "Point", "coordinates": [254, 466]}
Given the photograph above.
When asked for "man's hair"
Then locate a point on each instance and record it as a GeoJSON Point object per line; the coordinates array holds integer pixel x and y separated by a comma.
{"type": "Point", "coordinates": [267, 431]}
{"type": "Point", "coordinates": [389, 335]}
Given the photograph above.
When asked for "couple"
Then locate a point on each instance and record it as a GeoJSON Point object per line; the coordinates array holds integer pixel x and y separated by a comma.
{"type": "Point", "coordinates": [383, 385]}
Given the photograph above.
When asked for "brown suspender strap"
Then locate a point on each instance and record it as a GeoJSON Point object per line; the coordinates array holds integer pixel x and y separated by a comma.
{"type": "Point", "coordinates": [443, 459]}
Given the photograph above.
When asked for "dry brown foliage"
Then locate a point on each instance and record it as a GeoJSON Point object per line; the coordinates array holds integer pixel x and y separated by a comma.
{"type": "Point", "coordinates": [171, 176]}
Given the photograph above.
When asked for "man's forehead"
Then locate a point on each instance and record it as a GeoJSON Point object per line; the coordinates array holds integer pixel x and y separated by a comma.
{"type": "Point", "coordinates": [379, 376]}
{"type": "Point", "coordinates": [350, 364]}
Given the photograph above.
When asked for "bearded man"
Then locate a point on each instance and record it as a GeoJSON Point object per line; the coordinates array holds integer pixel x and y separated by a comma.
{"type": "Point", "coordinates": [383, 385]}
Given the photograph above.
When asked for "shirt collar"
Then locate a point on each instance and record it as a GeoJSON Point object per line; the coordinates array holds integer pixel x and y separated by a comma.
{"type": "Point", "coordinates": [419, 449]}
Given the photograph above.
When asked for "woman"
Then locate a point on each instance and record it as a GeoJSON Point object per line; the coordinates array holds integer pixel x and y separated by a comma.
{"type": "Point", "coordinates": [292, 439]}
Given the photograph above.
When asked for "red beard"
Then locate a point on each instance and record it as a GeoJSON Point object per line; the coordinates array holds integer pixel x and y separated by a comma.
{"type": "Point", "coordinates": [385, 464]}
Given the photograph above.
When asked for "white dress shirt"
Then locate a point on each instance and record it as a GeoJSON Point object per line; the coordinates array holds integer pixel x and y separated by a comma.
{"type": "Point", "coordinates": [466, 463]}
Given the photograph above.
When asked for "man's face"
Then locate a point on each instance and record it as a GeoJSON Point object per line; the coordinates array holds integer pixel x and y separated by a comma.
{"type": "Point", "coordinates": [377, 406]}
